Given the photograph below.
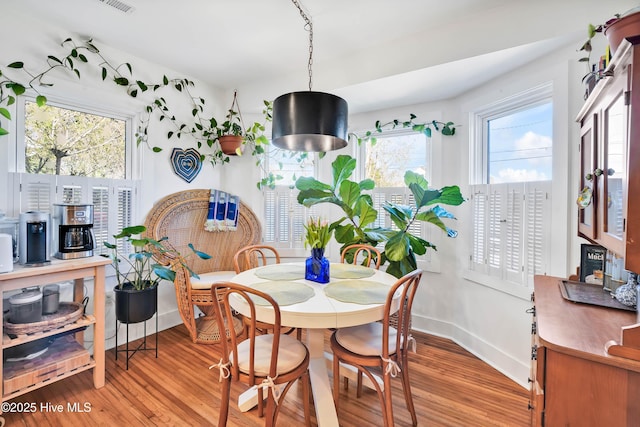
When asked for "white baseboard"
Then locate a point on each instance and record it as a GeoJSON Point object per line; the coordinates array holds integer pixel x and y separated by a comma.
{"type": "Point", "coordinates": [512, 368]}
{"type": "Point", "coordinates": [166, 320]}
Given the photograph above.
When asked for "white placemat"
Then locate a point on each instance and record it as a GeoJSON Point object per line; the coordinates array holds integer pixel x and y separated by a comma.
{"type": "Point", "coordinates": [350, 271]}
{"type": "Point", "coordinates": [284, 292]}
{"type": "Point", "coordinates": [357, 291]}
{"type": "Point", "coordinates": [281, 272]}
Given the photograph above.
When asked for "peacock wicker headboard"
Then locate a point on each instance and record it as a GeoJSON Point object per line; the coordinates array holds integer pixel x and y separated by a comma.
{"type": "Point", "coordinates": [181, 216]}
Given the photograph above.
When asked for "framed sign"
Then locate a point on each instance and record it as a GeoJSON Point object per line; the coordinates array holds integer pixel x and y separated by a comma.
{"type": "Point", "coordinates": [592, 259]}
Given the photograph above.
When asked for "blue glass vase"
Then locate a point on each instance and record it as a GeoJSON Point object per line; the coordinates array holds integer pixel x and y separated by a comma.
{"type": "Point", "coordinates": [317, 266]}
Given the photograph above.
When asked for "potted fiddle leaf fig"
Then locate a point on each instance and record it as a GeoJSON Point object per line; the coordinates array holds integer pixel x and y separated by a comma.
{"type": "Point", "coordinates": [356, 225]}
{"type": "Point", "coordinates": [138, 275]}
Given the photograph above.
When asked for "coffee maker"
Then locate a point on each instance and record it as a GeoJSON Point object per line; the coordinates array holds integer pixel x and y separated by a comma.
{"type": "Point", "coordinates": [73, 231]}
{"type": "Point", "coordinates": [34, 235]}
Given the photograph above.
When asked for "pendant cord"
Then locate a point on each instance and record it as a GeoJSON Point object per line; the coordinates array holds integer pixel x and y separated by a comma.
{"type": "Point", "coordinates": [308, 27]}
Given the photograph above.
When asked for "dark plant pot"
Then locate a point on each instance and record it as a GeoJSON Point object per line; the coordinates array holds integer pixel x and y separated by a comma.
{"type": "Point", "coordinates": [229, 144]}
{"type": "Point", "coordinates": [133, 306]}
{"type": "Point", "coordinates": [622, 28]}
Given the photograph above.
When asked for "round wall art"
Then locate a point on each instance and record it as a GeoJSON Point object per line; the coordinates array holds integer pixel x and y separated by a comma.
{"type": "Point", "coordinates": [186, 163]}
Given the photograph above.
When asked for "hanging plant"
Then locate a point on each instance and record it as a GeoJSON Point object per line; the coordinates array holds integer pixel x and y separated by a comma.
{"type": "Point", "coordinates": [205, 131]}
{"type": "Point", "coordinates": [446, 128]}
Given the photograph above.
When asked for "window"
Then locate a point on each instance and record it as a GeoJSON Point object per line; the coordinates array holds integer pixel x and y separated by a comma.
{"type": "Point", "coordinates": [512, 187]}
{"type": "Point", "coordinates": [70, 155]}
{"type": "Point", "coordinates": [284, 217]}
{"type": "Point", "coordinates": [386, 162]}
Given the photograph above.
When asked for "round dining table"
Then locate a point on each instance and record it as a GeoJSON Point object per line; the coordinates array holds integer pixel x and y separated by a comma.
{"type": "Point", "coordinates": [355, 295]}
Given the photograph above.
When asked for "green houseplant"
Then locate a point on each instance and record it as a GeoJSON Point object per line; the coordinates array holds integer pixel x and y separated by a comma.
{"type": "Point", "coordinates": [400, 245]}
{"type": "Point", "coordinates": [138, 274]}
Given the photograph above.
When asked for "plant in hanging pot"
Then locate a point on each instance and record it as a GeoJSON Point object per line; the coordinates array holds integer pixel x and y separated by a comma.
{"type": "Point", "coordinates": [317, 238]}
{"type": "Point", "coordinates": [138, 274]}
{"type": "Point", "coordinates": [233, 135]}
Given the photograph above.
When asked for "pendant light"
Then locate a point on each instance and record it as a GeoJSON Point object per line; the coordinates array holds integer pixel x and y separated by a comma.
{"type": "Point", "coordinates": [308, 120]}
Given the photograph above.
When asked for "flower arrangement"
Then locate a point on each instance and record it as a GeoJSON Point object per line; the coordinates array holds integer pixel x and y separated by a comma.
{"type": "Point", "coordinates": [318, 234]}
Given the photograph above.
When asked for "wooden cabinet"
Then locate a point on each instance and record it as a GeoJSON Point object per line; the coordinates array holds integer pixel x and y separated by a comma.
{"type": "Point", "coordinates": [574, 381]}
{"type": "Point", "coordinates": [610, 153]}
{"type": "Point", "coordinates": [66, 358]}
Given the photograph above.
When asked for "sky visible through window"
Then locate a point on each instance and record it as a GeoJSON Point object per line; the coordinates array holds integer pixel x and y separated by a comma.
{"type": "Point", "coordinates": [520, 145]}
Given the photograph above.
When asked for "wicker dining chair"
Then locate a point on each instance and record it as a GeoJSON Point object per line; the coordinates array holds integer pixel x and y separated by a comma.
{"type": "Point", "coordinates": [369, 254]}
{"type": "Point", "coordinates": [181, 217]}
{"type": "Point", "coordinates": [380, 345]}
{"type": "Point", "coordinates": [266, 361]}
{"type": "Point", "coordinates": [253, 256]}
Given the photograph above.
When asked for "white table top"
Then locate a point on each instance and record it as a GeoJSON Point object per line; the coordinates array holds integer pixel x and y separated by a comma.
{"type": "Point", "coordinates": [320, 311]}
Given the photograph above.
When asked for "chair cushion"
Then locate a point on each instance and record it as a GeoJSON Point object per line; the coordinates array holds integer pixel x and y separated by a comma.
{"type": "Point", "coordinates": [290, 354]}
{"type": "Point", "coordinates": [207, 279]}
{"type": "Point", "coordinates": [365, 339]}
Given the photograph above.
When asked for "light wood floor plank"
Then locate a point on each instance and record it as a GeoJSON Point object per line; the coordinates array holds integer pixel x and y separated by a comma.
{"type": "Point", "coordinates": [451, 387]}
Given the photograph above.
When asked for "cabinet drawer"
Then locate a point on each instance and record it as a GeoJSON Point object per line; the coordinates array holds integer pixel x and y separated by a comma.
{"type": "Point", "coordinates": [63, 355]}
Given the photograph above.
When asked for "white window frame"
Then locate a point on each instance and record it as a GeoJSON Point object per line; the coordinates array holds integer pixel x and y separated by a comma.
{"type": "Point", "coordinates": [53, 186]}
{"type": "Point", "coordinates": [430, 261]}
{"type": "Point", "coordinates": [527, 207]}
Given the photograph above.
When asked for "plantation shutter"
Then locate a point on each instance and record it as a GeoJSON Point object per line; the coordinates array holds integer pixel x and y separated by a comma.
{"type": "Point", "coordinates": [123, 212]}
{"type": "Point", "coordinates": [480, 204]}
{"type": "Point", "coordinates": [35, 192]}
{"type": "Point", "coordinates": [538, 228]}
{"type": "Point", "coordinates": [284, 218]}
{"type": "Point", "coordinates": [513, 237]}
{"type": "Point", "coordinates": [495, 238]}
{"type": "Point", "coordinates": [100, 200]}
{"type": "Point", "coordinates": [511, 230]}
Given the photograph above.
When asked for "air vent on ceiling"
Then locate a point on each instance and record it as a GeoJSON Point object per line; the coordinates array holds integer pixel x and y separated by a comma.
{"type": "Point", "coordinates": [116, 4]}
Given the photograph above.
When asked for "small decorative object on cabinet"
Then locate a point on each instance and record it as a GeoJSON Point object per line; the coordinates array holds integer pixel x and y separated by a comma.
{"type": "Point", "coordinates": [627, 293]}
{"type": "Point", "coordinates": [609, 145]}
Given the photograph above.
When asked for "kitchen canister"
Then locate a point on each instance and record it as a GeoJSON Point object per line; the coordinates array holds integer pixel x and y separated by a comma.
{"type": "Point", "coordinates": [6, 253]}
{"type": "Point", "coordinates": [50, 299]}
{"type": "Point", "coordinates": [26, 307]}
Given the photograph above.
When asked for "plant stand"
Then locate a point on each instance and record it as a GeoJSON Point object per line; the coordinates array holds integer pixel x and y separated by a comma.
{"type": "Point", "coordinates": [142, 346]}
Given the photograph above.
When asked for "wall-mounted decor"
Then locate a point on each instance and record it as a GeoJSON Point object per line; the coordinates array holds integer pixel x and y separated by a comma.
{"type": "Point", "coordinates": [186, 163]}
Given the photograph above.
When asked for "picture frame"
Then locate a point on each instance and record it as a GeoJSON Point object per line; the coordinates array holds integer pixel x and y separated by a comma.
{"type": "Point", "coordinates": [592, 262]}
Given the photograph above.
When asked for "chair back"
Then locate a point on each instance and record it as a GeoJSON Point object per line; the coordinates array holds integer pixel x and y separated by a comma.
{"type": "Point", "coordinates": [224, 291]}
{"type": "Point", "coordinates": [367, 253]}
{"type": "Point", "coordinates": [254, 256]}
{"type": "Point", "coordinates": [404, 290]}
{"type": "Point", "coordinates": [181, 217]}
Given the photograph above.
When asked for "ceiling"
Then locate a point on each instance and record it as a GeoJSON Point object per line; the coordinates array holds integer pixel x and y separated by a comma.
{"type": "Point", "coordinates": [374, 53]}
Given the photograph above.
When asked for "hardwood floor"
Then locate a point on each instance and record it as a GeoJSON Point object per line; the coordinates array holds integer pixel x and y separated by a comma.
{"type": "Point", "coordinates": [451, 387]}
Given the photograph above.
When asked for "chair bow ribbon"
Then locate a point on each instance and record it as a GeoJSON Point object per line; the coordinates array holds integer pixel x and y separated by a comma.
{"type": "Point", "coordinates": [225, 372]}
{"type": "Point", "coordinates": [392, 367]}
{"type": "Point", "coordinates": [411, 343]}
{"type": "Point", "coordinates": [268, 383]}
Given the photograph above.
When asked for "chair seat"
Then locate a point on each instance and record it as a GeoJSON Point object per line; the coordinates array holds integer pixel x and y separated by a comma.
{"type": "Point", "coordinates": [365, 339]}
{"type": "Point", "coordinates": [291, 354]}
{"type": "Point", "coordinates": [207, 279]}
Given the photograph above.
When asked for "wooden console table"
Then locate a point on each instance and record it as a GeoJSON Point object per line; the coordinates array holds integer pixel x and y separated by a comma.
{"type": "Point", "coordinates": [574, 381]}
{"type": "Point", "coordinates": [61, 271]}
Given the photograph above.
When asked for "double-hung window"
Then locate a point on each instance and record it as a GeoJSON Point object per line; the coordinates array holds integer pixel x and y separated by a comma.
{"type": "Point", "coordinates": [385, 162]}
{"type": "Point", "coordinates": [65, 154]}
{"type": "Point", "coordinates": [284, 217]}
{"type": "Point", "coordinates": [511, 174]}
